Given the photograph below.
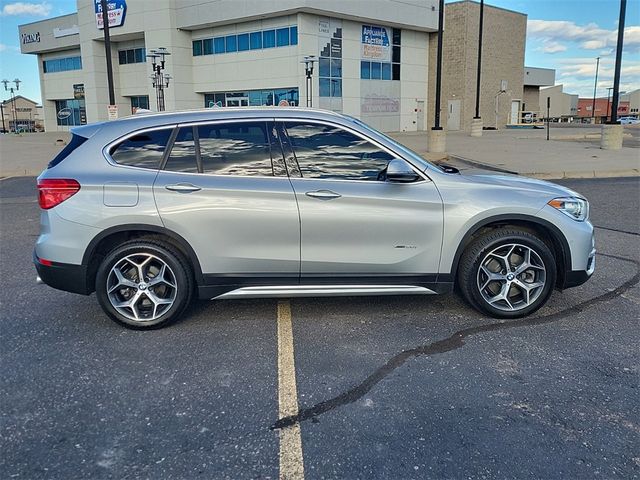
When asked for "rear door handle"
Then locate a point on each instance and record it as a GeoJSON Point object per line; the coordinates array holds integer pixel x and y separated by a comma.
{"type": "Point", "coordinates": [323, 194]}
{"type": "Point", "coordinates": [183, 188]}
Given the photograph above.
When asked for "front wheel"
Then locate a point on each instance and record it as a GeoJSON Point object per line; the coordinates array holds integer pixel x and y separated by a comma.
{"type": "Point", "coordinates": [507, 273]}
{"type": "Point", "coordinates": [144, 284]}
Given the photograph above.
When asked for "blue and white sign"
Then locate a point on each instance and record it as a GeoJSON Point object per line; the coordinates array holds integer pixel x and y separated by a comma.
{"type": "Point", "coordinates": [116, 12]}
{"type": "Point", "coordinates": [375, 43]}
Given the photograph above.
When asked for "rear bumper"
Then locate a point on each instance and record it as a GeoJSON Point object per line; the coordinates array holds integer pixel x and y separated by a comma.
{"type": "Point", "coordinates": [63, 276]}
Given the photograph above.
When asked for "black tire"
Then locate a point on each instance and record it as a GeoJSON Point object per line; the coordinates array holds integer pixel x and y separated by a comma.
{"type": "Point", "coordinates": [477, 254]}
{"type": "Point", "coordinates": [179, 276]}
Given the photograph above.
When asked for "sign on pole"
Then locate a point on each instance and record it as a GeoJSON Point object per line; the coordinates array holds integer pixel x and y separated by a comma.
{"type": "Point", "coordinates": [116, 14]}
{"type": "Point", "coordinates": [112, 110]}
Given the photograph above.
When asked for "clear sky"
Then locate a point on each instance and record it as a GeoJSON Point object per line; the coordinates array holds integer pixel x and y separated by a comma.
{"type": "Point", "coordinates": [566, 35]}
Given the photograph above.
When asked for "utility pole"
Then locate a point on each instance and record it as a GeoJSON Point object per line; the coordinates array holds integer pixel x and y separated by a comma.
{"type": "Point", "coordinates": [616, 75]}
{"type": "Point", "coordinates": [107, 50]}
{"type": "Point", "coordinates": [437, 139]}
{"type": "Point", "coordinates": [476, 123]}
{"type": "Point", "coordinates": [2, 111]}
{"type": "Point", "coordinates": [595, 86]}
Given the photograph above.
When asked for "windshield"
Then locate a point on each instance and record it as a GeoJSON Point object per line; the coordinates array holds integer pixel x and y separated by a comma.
{"type": "Point", "coordinates": [407, 151]}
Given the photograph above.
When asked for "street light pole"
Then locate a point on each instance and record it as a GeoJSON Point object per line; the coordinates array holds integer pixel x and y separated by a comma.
{"type": "Point", "coordinates": [308, 62]}
{"type": "Point", "coordinates": [17, 82]}
{"type": "Point", "coordinates": [479, 59]}
{"type": "Point", "coordinates": [159, 79]}
{"type": "Point", "coordinates": [107, 50]}
{"type": "Point", "coordinates": [595, 86]}
{"type": "Point", "coordinates": [616, 75]}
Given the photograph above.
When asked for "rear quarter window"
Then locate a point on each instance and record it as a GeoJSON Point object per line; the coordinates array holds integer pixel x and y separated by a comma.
{"type": "Point", "coordinates": [76, 141]}
{"type": "Point", "coordinates": [142, 150]}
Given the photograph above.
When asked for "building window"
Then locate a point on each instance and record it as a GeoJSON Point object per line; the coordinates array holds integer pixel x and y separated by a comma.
{"type": "Point", "coordinates": [330, 67]}
{"type": "Point", "coordinates": [387, 48]}
{"type": "Point", "coordinates": [71, 112]}
{"type": "Point", "coordinates": [62, 64]}
{"type": "Point", "coordinates": [254, 98]}
{"type": "Point", "coordinates": [282, 37]}
{"type": "Point", "coordinates": [141, 101]}
{"type": "Point", "coordinates": [133, 55]}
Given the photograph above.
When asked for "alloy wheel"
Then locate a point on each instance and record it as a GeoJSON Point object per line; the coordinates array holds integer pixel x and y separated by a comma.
{"type": "Point", "coordinates": [511, 277]}
{"type": "Point", "coordinates": [141, 287]}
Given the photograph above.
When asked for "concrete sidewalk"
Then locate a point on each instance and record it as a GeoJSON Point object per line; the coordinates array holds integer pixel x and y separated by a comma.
{"type": "Point", "coordinates": [28, 154]}
{"type": "Point", "coordinates": [527, 152]}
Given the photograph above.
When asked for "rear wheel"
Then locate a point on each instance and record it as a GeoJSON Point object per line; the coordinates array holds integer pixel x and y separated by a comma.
{"type": "Point", "coordinates": [144, 284]}
{"type": "Point", "coordinates": [507, 273]}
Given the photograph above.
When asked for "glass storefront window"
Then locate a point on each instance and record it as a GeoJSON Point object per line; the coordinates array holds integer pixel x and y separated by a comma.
{"type": "Point", "coordinates": [73, 112]}
{"type": "Point", "coordinates": [254, 98]}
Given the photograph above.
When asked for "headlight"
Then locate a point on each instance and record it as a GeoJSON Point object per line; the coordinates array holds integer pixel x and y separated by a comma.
{"type": "Point", "coordinates": [576, 208]}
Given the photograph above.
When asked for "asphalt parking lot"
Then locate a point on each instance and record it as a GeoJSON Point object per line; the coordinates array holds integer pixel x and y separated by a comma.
{"type": "Point", "coordinates": [387, 387]}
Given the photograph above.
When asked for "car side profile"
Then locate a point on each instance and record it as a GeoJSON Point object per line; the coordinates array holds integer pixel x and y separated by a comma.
{"type": "Point", "coordinates": [152, 210]}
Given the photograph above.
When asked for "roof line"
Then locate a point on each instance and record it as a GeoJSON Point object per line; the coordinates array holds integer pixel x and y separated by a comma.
{"type": "Point", "coordinates": [47, 19]}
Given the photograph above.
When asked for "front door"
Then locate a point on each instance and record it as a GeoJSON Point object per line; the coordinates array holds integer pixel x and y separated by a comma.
{"type": "Point", "coordinates": [453, 116]}
{"type": "Point", "coordinates": [515, 112]}
{"type": "Point", "coordinates": [356, 226]}
{"type": "Point", "coordinates": [223, 194]}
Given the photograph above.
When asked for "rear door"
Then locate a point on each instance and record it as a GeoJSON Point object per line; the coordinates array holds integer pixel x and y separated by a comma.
{"type": "Point", "coordinates": [355, 225]}
{"type": "Point", "coordinates": [224, 189]}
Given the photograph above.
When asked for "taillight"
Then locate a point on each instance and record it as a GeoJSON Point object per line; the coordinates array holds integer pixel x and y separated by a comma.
{"type": "Point", "coordinates": [54, 191]}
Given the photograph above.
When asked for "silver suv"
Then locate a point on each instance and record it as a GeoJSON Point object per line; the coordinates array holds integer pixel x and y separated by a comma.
{"type": "Point", "coordinates": [151, 210]}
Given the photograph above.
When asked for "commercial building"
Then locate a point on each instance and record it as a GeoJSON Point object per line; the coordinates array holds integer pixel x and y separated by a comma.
{"type": "Point", "coordinates": [372, 57]}
{"type": "Point", "coordinates": [21, 114]}
{"type": "Point", "coordinates": [602, 111]}
{"type": "Point", "coordinates": [503, 97]}
{"type": "Point", "coordinates": [633, 97]}
{"type": "Point", "coordinates": [375, 59]}
{"type": "Point", "coordinates": [563, 107]}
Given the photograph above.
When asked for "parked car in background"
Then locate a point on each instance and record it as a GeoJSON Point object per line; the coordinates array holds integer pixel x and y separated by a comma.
{"type": "Point", "coordinates": [629, 121]}
{"type": "Point", "coordinates": [155, 209]}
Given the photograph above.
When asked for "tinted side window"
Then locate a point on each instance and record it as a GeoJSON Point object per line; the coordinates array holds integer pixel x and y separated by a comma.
{"type": "Point", "coordinates": [329, 152]}
{"type": "Point", "coordinates": [235, 149]}
{"type": "Point", "coordinates": [142, 150]}
{"type": "Point", "coordinates": [183, 153]}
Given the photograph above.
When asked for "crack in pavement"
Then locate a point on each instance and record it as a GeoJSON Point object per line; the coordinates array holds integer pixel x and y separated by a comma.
{"type": "Point", "coordinates": [453, 342]}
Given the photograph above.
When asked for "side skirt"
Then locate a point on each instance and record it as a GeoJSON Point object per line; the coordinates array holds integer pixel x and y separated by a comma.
{"type": "Point", "coordinates": [326, 290]}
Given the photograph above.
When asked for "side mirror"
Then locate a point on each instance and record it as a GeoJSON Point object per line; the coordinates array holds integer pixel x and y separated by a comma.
{"type": "Point", "coordinates": [400, 171]}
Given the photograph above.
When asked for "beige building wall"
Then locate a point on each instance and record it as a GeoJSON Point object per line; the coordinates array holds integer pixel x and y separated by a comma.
{"type": "Point", "coordinates": [563, 105]}
{"type": "Point", "coordinates": [531, 99]}
{"type": "Point", "coordinates": [503, 48]}
{"type": "Point", "coordinates": [633, 97]}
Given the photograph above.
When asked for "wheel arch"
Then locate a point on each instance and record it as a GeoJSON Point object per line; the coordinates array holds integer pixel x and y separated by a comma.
{"type": "Point", "coordinates": [102, 243]}
{"type": "Point", "coordinates": [548, 232]}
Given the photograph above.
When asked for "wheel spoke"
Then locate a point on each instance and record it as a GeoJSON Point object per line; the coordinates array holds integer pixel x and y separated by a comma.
{"type": "Point", "coordinates": [122, 281]}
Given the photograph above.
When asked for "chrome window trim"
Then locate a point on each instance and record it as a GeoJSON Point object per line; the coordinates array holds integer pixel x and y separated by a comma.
{"type": "Point", "coordinates": [360, 134]}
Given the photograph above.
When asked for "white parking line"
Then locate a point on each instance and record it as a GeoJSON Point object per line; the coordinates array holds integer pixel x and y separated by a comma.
{"type": "Point", "coordinates": [291, 460]}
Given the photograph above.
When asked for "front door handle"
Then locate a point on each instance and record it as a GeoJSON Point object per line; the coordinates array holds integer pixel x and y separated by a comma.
{"type": "Point", "coordinates": [323, 194]}
{"type": "Point", "coordinates": [183, 188]}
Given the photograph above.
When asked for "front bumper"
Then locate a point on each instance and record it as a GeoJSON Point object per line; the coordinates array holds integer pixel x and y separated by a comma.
{"type": "Point", "coordinates": [575, 278]}
{"type": "Point", "coordinates": [63, 276]}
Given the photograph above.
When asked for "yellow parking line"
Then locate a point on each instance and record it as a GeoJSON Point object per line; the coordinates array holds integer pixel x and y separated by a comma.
{"type": "Point", "coordinates": [291, 461]}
